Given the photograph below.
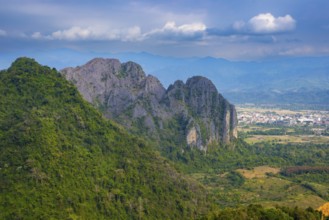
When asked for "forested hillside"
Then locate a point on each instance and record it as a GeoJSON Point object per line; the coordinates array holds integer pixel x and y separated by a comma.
{"type": "Point", "coordinates": [60, 159]}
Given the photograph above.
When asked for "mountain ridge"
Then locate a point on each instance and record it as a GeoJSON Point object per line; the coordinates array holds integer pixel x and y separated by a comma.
{"type": "Point", "coordinates": [126, 94]}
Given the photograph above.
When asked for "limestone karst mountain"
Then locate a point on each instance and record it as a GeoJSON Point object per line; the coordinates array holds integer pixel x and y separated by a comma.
{"type": "Point", "coordinates": [186, 114]}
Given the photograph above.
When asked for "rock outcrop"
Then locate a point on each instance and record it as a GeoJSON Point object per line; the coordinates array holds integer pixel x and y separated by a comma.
{"type": "Point", "coordinates": [191, 113]}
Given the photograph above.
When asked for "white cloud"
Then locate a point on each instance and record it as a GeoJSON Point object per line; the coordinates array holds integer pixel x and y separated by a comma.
{"type": "Point", "coordinates": [3, 33]}
{"type": "Point", "coordinates": [267, 23]}
{"type": "Point", "coordinates": [74, 33]}
{"type": "Point", "coordinates": [185, 29]}
{"type": "Point", "coordinates": [171, 31]}
{"type": "Point", "coordinates": [95, 33]}
{"type": "Point", "coordinates": [132, 34]}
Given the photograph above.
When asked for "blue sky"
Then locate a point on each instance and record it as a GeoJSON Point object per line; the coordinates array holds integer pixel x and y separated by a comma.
{"type": "Point", "coordinates": [231, 29]}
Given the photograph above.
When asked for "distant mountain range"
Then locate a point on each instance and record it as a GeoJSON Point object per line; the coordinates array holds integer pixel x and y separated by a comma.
{"type": "Point", "coordinates": [301, 80]}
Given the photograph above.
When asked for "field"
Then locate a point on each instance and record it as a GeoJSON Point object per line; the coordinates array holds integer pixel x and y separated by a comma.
{"type": "Point", "coordinates": [276, 110]}
{"type": "Point", "coordinates": [263, 185]}
{"type": "Point", "coordinates": [258, 172]}
{"type": "Point", "coordinates": [287, 139]}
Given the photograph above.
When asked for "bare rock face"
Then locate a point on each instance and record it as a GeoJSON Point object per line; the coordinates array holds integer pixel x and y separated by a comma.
{"type": "Point", "coordinates": [193, 110]}
{"type": "Point", "coordinates": [214, 119]}
{"type": "Point", "coordinates": [121, 91]}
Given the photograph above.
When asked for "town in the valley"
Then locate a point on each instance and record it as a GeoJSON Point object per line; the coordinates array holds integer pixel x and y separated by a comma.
{"type": "Point", "coordinates": [251, 116]}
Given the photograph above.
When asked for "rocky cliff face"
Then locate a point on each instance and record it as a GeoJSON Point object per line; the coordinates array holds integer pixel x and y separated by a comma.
{"type": "Point", "coordinates": [191, 113]}
{"type": "Point", "coordinates": [210, 118]}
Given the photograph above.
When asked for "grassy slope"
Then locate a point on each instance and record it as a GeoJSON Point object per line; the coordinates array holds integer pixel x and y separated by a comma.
{"type": "Point", "coordinates": [60, 159]}
{"type": "Point", "coordinates": [218, 172]}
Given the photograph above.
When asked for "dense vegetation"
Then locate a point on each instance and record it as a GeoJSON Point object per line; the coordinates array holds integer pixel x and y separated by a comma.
{"type": "Point", "coordinates": [60, 159]}
{"type": "Point", "coordinates": [242, 155]}
{"type": "Point", "coordinates": [304, 169]}
{"type": "Point", "coordinates": [260, 213]}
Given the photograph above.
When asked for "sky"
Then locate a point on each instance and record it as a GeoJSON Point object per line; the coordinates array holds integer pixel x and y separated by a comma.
{"type": "Point", "coordinates": [230, 29]}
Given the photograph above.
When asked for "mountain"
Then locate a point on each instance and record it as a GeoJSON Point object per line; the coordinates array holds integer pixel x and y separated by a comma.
{"type": "Point", "coordinates": [190, 114]}
{"type": "Point", "coordinates": [61, 159]}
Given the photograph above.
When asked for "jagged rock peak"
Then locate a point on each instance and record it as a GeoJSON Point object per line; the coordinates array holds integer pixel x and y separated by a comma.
{"type": "Point", "coordinates": [196, 82]}
{"type": "Point", "coordinates": [177, 84]}
{"type": "Point", "coordinates": [199, 101]}
{"type": "Point", "coordinates": [101, 65]}
{"type": "Point", "coordinates": [98, 61]}
{"type": "Point", "coordinates": [134, 70]}
{"type": "Point", "coordinates": [113, 66]}
{"type": "Point", "coordinates": [153, 86]}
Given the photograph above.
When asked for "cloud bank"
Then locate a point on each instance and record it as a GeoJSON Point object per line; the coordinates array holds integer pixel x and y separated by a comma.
{"type": "Point", "coordinates": [77, 33]}
{"type": "Point", "coordinates": [261, 24]}
{"type": "Point", "coordinates": [169, 31]}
